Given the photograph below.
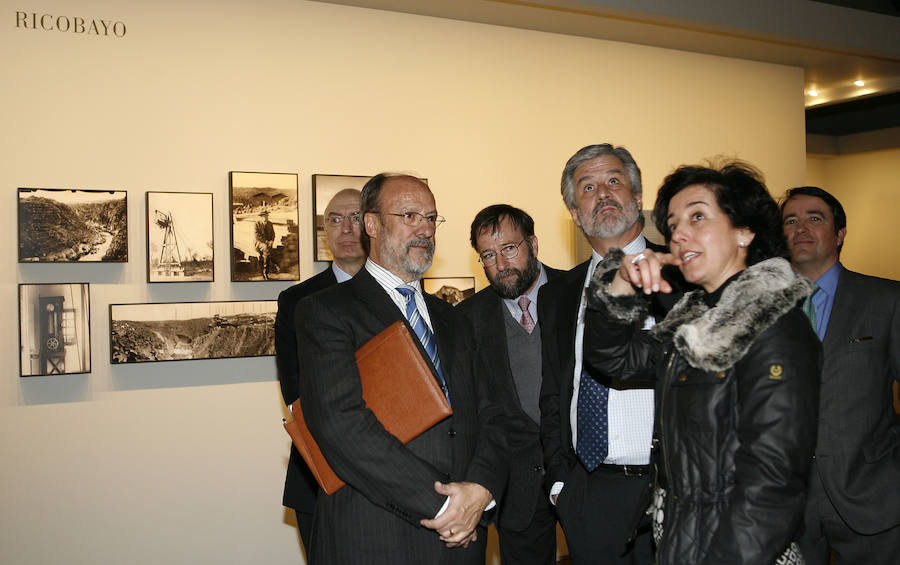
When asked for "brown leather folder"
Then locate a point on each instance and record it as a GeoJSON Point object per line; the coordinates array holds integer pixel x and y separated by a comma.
{"type": "Point", "coordinates": [398, 387]}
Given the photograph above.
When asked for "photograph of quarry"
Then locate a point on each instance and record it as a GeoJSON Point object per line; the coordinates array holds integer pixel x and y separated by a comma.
{"type": "Point", "coordinates": [177, 331]}
{"type": "Point", "coordinates": [67, 225]}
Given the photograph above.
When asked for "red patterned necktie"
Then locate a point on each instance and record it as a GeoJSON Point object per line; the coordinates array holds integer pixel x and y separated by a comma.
{"type": "Point", "coordinates": [526, 320]}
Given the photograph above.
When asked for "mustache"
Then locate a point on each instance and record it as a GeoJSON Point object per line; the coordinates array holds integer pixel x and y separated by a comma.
{"type": "Point", "coordinates": [604, 203]}
{"type": "Point", "coordinates": [421, 242]}
{"type": "Point", "coordinates": [507, 272]}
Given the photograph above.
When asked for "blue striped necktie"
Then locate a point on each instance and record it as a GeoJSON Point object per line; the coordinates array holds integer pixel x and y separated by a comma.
{"type": "Point", "coordinates": [424, 334]}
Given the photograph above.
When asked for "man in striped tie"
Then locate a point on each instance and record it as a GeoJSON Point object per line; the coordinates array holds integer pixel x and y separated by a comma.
{"type": "Point", "coordinates": [422, 502]}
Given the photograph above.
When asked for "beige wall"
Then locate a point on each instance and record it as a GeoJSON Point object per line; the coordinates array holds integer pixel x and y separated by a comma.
{"type": "Point", "coordinates": [184, 462]}
{"type": "Point", "coordinates": [867, 186]}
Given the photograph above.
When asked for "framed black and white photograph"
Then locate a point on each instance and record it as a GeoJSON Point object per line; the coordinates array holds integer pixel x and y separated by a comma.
{"type": "Point", "coordinates": [450, 289]}
{"type": "Point", "coordinates": [177, 331]}
{"type": "Point", "coordinates": [265, 242]}
{"type": "Point", "coordinates": [324, 187]}
{"type": "Point", "coordinates": [180, 237]}
{"type": "Point", "coordinates": [61, 225]}
{"type": "Point", "coordinates": [54, 329]}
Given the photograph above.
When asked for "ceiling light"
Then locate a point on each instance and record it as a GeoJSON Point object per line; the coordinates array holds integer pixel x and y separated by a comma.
{"type": "Point", "coordinates": [859, 83]}
{"type": "Point", "coordinates": [813, 92]}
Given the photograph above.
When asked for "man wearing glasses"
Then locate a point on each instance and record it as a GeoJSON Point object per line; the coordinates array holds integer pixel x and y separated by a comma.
{"type": "Point", "coordinates": [419, 503]}
{"type": "Point", "coordinates": [504, 317]}
{"type": "Point", "coordinates": [342, 234]}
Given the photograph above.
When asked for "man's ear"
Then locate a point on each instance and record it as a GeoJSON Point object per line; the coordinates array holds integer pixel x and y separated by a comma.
{"type": "Point", "coordinates": [574, 213]}
{"type": "Point", "coordinates": [371, 225]}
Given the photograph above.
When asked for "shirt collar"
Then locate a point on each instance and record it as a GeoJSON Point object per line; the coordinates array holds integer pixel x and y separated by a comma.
{"type": "Point", "coordinates": [829, 279]}
{"type": "Point", "coordinates": [388, 280]}
{"type": "Point", "coordinates": [636, 245]}
{"type": "Point", "coordinates": [340, 274]}
{"type": "Point", "coordinates": [533, 293]}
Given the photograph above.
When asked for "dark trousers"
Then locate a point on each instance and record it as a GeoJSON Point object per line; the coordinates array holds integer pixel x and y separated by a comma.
{"type": "Point", "coordinates": [597, 511]}
{"type": "Point", "coordinates": [824, 530]}
{"type": "Point", "coordinates": [536, 544]}
{"type": "Point", "coordinates": [304, 524]}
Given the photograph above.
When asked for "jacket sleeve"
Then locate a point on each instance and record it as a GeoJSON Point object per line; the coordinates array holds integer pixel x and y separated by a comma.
{"type": "Point", "coordinates": [614, 348]}
{"type": "Point", "coordinates": [777, 410]}
{"type": "Point", "coordinates": [557, 457]}
{"type": "Point", "coordinates": [286, 349]}
{"type": "Point", "coordinates": [489, 466]}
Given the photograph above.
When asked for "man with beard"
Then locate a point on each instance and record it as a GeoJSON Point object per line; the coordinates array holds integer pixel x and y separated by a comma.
{"type": "Point", "coordinates": [419, 503]}
{"type": "Point", "coordinates": [342, 235]}
{"type": "Point", "coordinates": [503, 237]}
{"type": "Point", "coordinates": [596, 437]}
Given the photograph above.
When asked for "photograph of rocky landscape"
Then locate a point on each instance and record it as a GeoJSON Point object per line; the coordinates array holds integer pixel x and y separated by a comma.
{"type": "Point", "coordinates": [178, 331]}
{"type": "Point", "coordinates": [69, 225]}
{"type": "Point", "coordinates": [452, 290]}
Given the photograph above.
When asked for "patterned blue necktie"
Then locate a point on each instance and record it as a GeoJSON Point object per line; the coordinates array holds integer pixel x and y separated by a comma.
{"type": "Point", "coordinates": [424, 334]}
{"type": "Point", "coordinates": [593, 422]}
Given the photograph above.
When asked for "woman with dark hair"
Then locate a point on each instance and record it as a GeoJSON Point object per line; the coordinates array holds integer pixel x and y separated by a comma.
{"type": "Point", "coordinates": [736, 366]}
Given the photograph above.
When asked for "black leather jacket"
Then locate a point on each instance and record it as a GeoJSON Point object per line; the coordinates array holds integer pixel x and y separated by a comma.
{"type": "Point", "coordinates": [737, 377]}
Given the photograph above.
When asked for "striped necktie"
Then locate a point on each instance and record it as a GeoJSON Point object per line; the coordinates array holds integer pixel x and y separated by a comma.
{"type": "Point", "coordinates": [424, 334]}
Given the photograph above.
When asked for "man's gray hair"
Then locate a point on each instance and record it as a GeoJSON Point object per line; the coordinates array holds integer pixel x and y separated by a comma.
{"type": "Point", "coordinates": [585, 154]}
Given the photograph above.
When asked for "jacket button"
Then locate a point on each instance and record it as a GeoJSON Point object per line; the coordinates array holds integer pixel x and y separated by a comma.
{"type": "Point", "coordinates": [721, 374]}
{"type": "Point", "coordinates": [682, 377]}
{"type": "Point", "coordinates": [452, 433]}
{"type": "Point", "coordinates": [538, 468]}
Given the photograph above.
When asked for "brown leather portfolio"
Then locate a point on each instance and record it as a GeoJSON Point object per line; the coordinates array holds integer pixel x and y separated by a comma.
{"type": "Point", "coordinates": [398, 387]}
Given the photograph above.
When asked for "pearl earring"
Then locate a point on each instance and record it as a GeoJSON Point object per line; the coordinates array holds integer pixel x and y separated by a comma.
{"type": "Point", "coordinates": [742, 244]}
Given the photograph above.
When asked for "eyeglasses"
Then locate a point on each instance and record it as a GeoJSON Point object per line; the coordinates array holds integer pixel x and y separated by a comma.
{"type": "Point", "coordinates": [510, 251]}
{"type": "Point", "coordinates": [414, 219]}
{"type": "Point", "coordinates": [338, 220]}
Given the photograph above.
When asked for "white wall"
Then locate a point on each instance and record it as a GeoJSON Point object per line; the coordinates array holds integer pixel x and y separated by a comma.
{"type": "Point", "coordinates": [867, 186]}
{"type": "Point", "coordinates": [184, 462]}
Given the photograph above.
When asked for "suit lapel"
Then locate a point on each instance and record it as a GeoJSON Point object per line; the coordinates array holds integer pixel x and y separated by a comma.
{"type": "Point", "coordinates": [841, 313]}
{"type": "Point", "coordinates": [375, 298]}
{"type": "Point", "coordinates": [443, 333]}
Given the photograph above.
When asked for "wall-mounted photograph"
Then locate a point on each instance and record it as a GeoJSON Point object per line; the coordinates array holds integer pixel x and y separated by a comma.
{"type": "Point", "coordinates": [265, 237]}
{"type": "Point", "coordinates": [449, 289]}
{"type": "Point", "coordinates": [324, 187]}
{"type": "Point", "coordinates": [61, 225]}
{"type": "Point", "coordinates": [180, 237]}
{"type": "Point", "coordinates": [177, 331]}
{"type": "Point", "coordinates": [54, 329]}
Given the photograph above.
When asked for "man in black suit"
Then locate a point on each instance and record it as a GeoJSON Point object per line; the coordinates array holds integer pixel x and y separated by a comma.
{"type": "Point", "coordinates": [505, 321]}
{"type": "Point", "coordinates": [342, 235]}
{"type": "Point", "coordinates": [419, 503]}
{"type": "Point", "coordinates": [598, 495]}
{"type": "Point", "coordinates": [854, 491]}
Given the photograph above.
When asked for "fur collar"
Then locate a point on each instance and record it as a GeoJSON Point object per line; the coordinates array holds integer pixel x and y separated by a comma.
{"type": "Point", "coordinates": [715, 338]}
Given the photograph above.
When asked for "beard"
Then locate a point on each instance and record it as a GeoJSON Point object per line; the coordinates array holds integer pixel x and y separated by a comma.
{"type": "Point", "coordinates": [610, 224]}
{"type": "Point", "coordinates": [522, 282]}
{"type": "Point", "coordinates": [417, 266]}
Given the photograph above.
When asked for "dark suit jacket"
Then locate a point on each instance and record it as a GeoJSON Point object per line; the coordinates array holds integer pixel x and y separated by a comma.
{"type": "Point", "coordinates": [300, 487]}
{"type": "Point", "coordinates": [558, 314]}
{"type": "Point", "coordinates": [858, 450]}
{"type": "Point", "coordinates": [375, 518]}
{"type": "Point", "coordinates": [485, 311]}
